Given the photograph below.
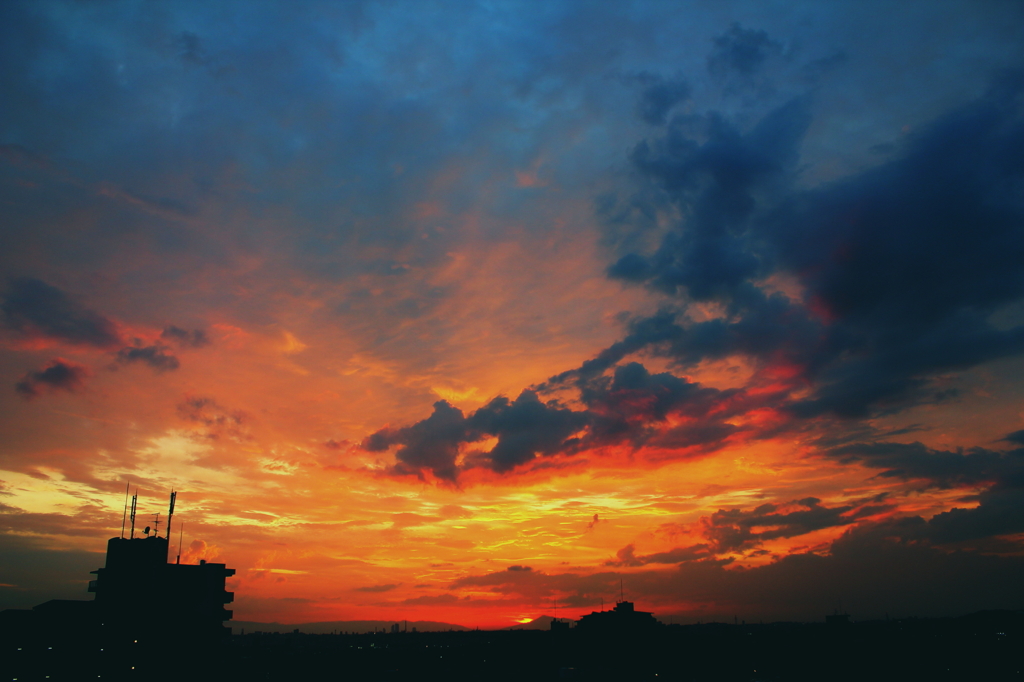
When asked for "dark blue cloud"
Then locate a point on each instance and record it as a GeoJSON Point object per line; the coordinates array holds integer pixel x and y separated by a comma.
{"type": "Point", "coordinates": [630, 408]}
{"type": "Point", "coordinates": [741, 50]}
{"type": "Point", "coordinates": [902, 265]}
{"type": "Point", "coordinates": [645, 332]}
{"type": "Point", "coordinates": [659, 96]}
{"type": "Point", "coordinates": [735, 529]}
{"type": "Point", "coordinates": [909, 260]}
{"type": "Point", "coordinates": [627, 556]}
{"type": "Point", "coordinates": [34, 307]}
{"type": "Point", "coordinates": [526, 428]}
{"type": "Point", "coordinates": [651, 395]}
{"type": "Point", "coordinates": [942, 468]}
{"type": "Point", "coordinates": [196, 338]}
{"type": "Point", "coordinates": [432, 444]}
{"type": "Point", "coordinates": [998, 514]}
{"type": "Point", "coordinates": [999, 475]}
{"type": "Point", "coordinates": [59, 374]}
{"type": "Point", "coordinates": [714, 174]}
{"type": "Point", "coordinates": [156, 357]}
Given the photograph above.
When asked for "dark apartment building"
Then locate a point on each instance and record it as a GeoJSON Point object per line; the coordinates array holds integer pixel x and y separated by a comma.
{"type": "Point", "coordinates": [144, 610]}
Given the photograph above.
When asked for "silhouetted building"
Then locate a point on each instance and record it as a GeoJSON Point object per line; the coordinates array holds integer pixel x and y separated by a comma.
{"type": "Point", "coordinates": [144, 607]}
{"type": "Point", "coordinates": [622, 619]}
{"type": "Point", "coordinates": [139, 591]}
{"type": "Point", "coordinates": [838, 619]}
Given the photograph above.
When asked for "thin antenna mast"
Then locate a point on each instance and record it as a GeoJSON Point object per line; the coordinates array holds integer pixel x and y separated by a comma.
{"type": "Point", "coordinates": [181, 531]}
{"type": "Point", "coordinates": [170, 516]}
{"type": "Point", "coordinates": [156, 525]}
{"type": "Point", "coordinates": [135, 499]}
{"type": "Point", "coordinates": [170, 512]}
{"type": "Point", "coordinates": [124, 516]}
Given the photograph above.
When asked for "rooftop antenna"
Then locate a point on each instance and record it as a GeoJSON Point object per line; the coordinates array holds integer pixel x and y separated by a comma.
{"type": "Point", "coordinates": [125, 515]}
{"type": "Point", "coordinates": [170, 516]}
{"type": "Point", "coordinates": [135, 499]}
{"type": "Point", "coordinates": [170, 511]}
{"type": "Point", "coordinates": [181, 531]}
{"type": "Point", "coordinates": [156, 525]}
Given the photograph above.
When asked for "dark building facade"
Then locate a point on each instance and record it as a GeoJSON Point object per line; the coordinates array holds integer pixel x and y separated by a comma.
{"type": "Point", "coordinates": [144, 608]}
{"type": "Point", "coordinates": [140, 591]}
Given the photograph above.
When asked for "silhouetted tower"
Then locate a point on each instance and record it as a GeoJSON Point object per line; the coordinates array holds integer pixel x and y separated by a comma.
{"type": "Point", "coordinates": [170, 515]}
{"type": "Point", "coordinates": [135, 498]}
{"type": "Point", "coordinates": [149, 600]}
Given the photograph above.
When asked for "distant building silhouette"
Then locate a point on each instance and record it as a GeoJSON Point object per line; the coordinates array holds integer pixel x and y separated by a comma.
{"type": "Point", "coordinates": [560, 625]}
{"type": "Point", "coordinates": [837, 619]}
{"type": "Point", "coordinates": [623, 618]}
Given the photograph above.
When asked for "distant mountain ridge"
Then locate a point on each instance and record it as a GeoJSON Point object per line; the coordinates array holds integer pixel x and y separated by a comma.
{"type": "Point", "coordinates": [538, 623]}
{"type": "Point", "coordinates": [350, 626]}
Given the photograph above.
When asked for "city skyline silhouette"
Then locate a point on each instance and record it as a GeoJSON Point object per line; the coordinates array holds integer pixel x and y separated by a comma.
{"type": "Point", "coordinates": [147, 607]}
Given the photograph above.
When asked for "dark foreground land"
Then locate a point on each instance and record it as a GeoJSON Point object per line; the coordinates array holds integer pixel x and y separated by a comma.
{"type": "Point", "coordinates": [983, 646]}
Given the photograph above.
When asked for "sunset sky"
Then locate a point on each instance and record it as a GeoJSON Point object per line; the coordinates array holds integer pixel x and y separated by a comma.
{"type": "Point", "coordinates": [457, 310]}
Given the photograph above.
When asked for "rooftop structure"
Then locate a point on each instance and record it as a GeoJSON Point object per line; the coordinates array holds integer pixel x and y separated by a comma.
{"type": "Point", "coordinates": [143, 605]}
{"type": "Point", "coordinates": [137, 585]}
{"type": "Point", "coordinates": [623, 618]}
